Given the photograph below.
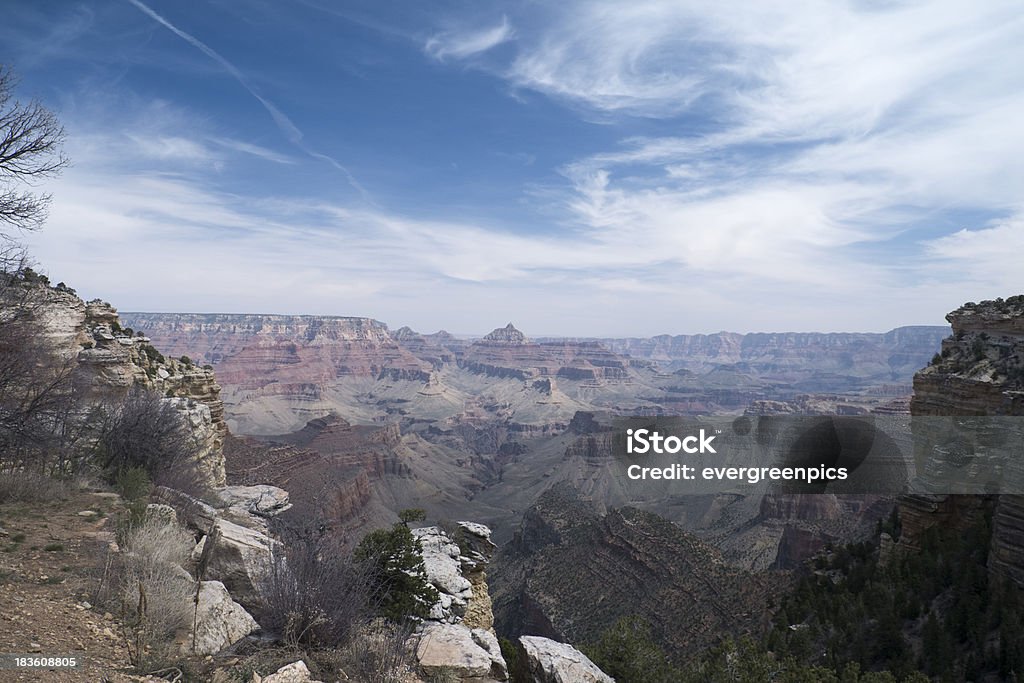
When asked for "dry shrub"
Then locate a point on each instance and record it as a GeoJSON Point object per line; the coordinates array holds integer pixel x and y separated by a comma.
{"type": "Point", "coordinates": [155, 593]}
{"type": "Point", "coordinates": [377, 652]}
{"type": "Point", "coordinates": [147, 432]}
{"type": "Point", "coordinates": [313, 594]}
{"type": "Point", "coordinates": [23, 486]}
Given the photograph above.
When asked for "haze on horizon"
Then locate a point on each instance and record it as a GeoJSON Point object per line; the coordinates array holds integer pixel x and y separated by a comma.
{"type": "Point", "coordinates": [582, 168]}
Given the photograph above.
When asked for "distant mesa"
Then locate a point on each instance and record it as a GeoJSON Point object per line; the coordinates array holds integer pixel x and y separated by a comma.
{"type": "Point", "coordinates": [506, 335]}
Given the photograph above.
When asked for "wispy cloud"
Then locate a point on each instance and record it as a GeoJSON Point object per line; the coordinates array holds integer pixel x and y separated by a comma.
{"type": "Point", "coordinates": [460, 45]}
{"type": "Point", "coordinates": [756, 167]}
{"type": "Point", "coordinates": [281, 120]}
{"type": "Point", "coordinates": [812, 141]}
{"type": "Point", "coordinates": [201, 248]}
{"type": "Point", "coordinates": [253, 149]}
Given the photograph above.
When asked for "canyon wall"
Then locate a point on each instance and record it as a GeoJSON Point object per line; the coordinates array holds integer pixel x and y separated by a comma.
{"type": "Point", "coordinates": [978, 372]}
{"type": "Point", "coordinates": [107, 361]}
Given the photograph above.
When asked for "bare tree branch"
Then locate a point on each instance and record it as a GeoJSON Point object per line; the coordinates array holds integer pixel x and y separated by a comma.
{"type": "Point", "coordinates": [31, 138]}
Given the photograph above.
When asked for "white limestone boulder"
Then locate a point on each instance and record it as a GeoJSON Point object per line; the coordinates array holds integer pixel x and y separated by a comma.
{"type": "Point", "coordinates": [549, 661]}
{"type": "Point", "coordinates": [220, 621]}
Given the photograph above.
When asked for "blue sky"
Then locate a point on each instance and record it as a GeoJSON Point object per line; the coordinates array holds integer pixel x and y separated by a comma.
{"type": "Point", "coordinates": [581, 168]}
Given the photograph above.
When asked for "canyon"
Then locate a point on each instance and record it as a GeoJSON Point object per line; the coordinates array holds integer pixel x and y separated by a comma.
{"type": "Point", "coordinates": [356, 422]}
{"type": "Point", "coordinates": [481, 427]}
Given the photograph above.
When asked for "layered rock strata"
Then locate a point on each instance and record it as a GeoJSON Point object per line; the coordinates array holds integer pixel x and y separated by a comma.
{"type": "Point", "coordinates": [570, 573]}
{"type": "Point", "coordinates": [108, 360]}
{"type": "Point", "coordinates": [979, 372]}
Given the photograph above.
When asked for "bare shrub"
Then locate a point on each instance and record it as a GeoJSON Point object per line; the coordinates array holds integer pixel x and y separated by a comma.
{"type": "Point", "coordinates": [21, 486]}
{"type": "Point", "coordinates": [378, 652]}
{"type": "Point", "coordinates": [313, 594]}
{"type": "Point", "coordinates": [147, 432]}
{"type": "Point", "coordinates": [155, 593]}
{"type": "Point", "coordinates": [36, 392]}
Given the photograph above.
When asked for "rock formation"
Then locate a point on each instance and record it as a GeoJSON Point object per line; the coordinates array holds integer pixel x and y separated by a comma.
{"type": "Point", "coordinates": [242, 552]}
{"type": "Point", "coordinates": [296, 672]}
{"type": "Point", "coordinates": [220, 621]}
{"type": "Point", "coordinates": [887, 357]}
{"type": "Point", "coordinates": [979, 372]}
{"type": "Point", "coordinates": [470, 655]}
{"type": "Point", "coordinates": [108, 361]}
{"type": "Point", "coordinates": [456, 565]}
{"type": "Point", "coordinates": [570, 573]}
{"type": "Point", "coordinates": [458, 637]}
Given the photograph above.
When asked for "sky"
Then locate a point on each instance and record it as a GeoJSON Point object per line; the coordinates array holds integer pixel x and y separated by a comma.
{"type": "Point", "coordinates": [580, 168]}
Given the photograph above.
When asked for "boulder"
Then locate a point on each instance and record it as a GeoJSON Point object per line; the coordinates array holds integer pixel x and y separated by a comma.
{"type": "Point", "coordinates": [477, 547]}
{"type": "Point", "coordinates": [262, 500]}
{"type": "Point", "coordinates": [296, 672]}
{"type": "Point", "coordinates": [163, 512]}
{"type": "Point", "coordinates": [549, 661]}
{"type": "Point", "coordinates": [240, 560]}
{"type": "Point", "coordinates": [220, 621]}
{"type": "Point", "coordinates": [192, 512]}
{"type": "Point", "coordinates": [241, 554]}
{"type": "Point", "coordinates": [470, 654]}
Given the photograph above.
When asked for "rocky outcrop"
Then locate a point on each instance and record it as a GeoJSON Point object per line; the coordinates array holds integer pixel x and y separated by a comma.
{"type": "Point", "coordinates": [241, 554]}
{"type": "Point", "coordinates": [505, 335]}
{"type": "Point", "coordinates": [570, 573]}
{"type": "Point", "coordinates": [455, 563]}
{"type": "Point", "coordinates": [979, 372]}
{"type": "Point", "coordinates": [239, 560]}
{"type": "Point", "coordinates": [549, 661]}
{"type": "Point", "coordinates": [108, 360]}
{"type": "Point", "coordinates": [980, 369]}
{"type": "Point", "coordinates": [458, 637]}
{"type": "Point", "coordinates": [296, 672]}
{"type": "Point", "coordinates": [261, 500]}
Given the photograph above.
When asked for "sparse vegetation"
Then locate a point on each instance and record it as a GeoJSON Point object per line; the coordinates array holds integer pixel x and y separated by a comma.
{"type": "Point", "coordinates": [626, 651]}
{"type": "Point", "coordinates": [410, 515]}
{"type": "Point", "coordinates": [313, 595]}
{"type": "Point", "coordinates": [154, 594]}
{"type": "Point", "coordinates": [26, 486]}
{"type": "Point", "coordinates": [323, 605]}
{"type": "Point", "coordinates": [149, 434]}
{"type": "Point", "coordinates": [133, 483]}
{"type": "Point", "coordinates": [935, 611]}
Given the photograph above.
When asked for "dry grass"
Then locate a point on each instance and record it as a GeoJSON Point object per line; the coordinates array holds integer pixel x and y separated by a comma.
{"type": "Point", "coordinates": [377, 652]}
{"type": "Point", "coordinates": [155, 593]}
{"type": "Point", "coordinates": [21, 486]}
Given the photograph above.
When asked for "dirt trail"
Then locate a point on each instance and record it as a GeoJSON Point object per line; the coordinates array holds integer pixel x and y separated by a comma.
{"type": "Point", "coordinates": [51, 555]}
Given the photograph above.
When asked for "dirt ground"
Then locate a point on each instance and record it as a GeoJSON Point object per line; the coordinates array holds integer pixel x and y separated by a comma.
{"type": "Point", "coordinates": [51, 557]}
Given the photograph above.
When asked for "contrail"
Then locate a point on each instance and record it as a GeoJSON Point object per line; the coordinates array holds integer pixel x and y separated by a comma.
{"type": "Point", "coordinates": [281, 120]}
